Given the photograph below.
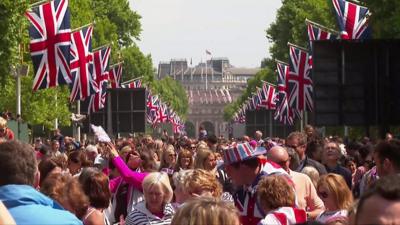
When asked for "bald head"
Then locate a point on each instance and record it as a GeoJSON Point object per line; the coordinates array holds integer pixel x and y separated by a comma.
{"type": "Point", "coordinates": [279, 155]}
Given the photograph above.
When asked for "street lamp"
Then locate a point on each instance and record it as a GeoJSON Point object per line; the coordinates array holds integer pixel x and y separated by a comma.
{"type": "Point", "coordinates": [17, 72]}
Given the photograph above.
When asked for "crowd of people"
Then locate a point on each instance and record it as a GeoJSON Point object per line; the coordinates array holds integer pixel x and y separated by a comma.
{"type": "Point", "coordinates": [300, 179]}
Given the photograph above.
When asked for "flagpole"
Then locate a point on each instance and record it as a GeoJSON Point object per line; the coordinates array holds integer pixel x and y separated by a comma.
{"type": "Point", "coordinates": [301, 121]}
{"type": "Point", "coordinates": [129, 81]}
{"type": "Point", "coordinates": [206, 73]}
{"type": "Point", "coordinates": [282, 62]}
{"type": "Point", "coordinates": [323, 27]}
{"type": "Point", "coordinates": [102, 46]}
{"type": "Point", "coordinates": [302, 48]}
{"type": "Point", "coordinates": [56, 120]}
{"type": "Point", "coordinates": [79, 28]}
{"type": "Point", "coordinates": [274, 85]}
{"type": "Point", "coordinates": [36, 4]}
{"type": "Point", "coordinates": [116, 64]}
{"type": "Point", "coordinates": [78, 128]}
{"type": "Point", "coordinates": [270, 124]}
{"type": "Point", "coordinates": [305, 118]}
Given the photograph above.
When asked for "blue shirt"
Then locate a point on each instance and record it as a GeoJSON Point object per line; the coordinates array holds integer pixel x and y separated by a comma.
{"type": "Point", "coordinates": [28, 206]}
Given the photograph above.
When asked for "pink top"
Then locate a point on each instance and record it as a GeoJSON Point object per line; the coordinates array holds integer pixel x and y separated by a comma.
{"type": "Point", "coordinates": [131, 177]}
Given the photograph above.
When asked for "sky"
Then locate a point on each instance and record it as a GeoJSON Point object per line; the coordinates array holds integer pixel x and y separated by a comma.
{"type": "Point", "coordinates": [185, 29]}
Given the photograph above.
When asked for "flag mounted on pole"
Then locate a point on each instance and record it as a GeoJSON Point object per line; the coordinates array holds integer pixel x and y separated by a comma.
{"type": "Point", "coordinates": [352, 20]}
{"type": "Point", "coordinates": [115, 75]}
{"type": "Point", "coordinates": [50, 37]}
{"type": "Point", "coordinates": [81, 64]}
{"type": "Point", "coordinates": [283, 112]}
{"type": "Point", "coordinates": [300, 87]}
{"type": "Point", "coordinates": [134, 84]}
{"type": "Point", "coordinates": [317, 32]}
{"type": "Point", "coordinates": [268, 95]}
{"type": "Point", "coordinates": [101, 59]}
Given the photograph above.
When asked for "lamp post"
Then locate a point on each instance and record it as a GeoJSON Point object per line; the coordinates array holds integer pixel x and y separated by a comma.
{"type": "Point", "coordinates": [17, 72]}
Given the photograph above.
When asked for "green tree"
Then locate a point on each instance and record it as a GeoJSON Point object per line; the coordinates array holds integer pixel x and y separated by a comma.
{"type": "Point", "coordinates": [115, 24]}
{"type": "Point", "coordinates": [136, 64]}
{"type": "Point", "coordinates": [385, 18]}
{"type": "Point", "coordinates": [172, 93]}
{"type": "Point", "coordinates": [289, 25]}
{"type": "Point", "coordinates": [264, 74]}
{"type": "Point", "coordinates": [12, 40]}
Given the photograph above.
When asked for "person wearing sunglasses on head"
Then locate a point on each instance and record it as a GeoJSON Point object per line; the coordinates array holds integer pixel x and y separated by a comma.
{"type": "Point", "coordinates": [5, 132]}
{"type": "Point", "coordinates": [337, 198]}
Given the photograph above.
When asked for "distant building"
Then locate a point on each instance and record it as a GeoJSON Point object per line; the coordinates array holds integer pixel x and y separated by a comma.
{"type": "Point", "coordinates": [210, 86]}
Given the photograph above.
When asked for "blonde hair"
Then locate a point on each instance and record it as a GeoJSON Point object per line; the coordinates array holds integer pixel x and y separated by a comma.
{"type": "Point", "coordinates": [200, 181]}
{"type": "Point", "coordinates": [275, 191]}
{"type": "Point", "coordinates": [312, 173]}
{"type": "Point", "coordinates": [3, 122]}
{"type": "Point", "coordinates": [169, 149]}
{"type": "Point", "coordinates": [205, 211]}
{"type": "Point", "coordinates": [201, 157]}
{"type": "Point", "coordinates": [338, 188]}
{"type": "Point", "coordinates": [180, 177]}
{"type": "Point", "coordinates": [157, 178]}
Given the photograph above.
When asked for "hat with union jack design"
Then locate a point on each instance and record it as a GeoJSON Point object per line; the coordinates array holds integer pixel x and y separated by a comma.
{"type": "Point", "coordinates": [238, 152]}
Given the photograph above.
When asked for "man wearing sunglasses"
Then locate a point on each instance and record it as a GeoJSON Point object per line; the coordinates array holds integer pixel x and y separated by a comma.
{"type": "Point", "coordinates": [298, 141]}
{"type": "Point", "coordinates": [5, 132]}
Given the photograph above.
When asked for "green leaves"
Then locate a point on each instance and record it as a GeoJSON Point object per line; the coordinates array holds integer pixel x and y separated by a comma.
{"type": "Point", "coordinates": [289, 26]}
{"type": "Point", "coordinates": [385, 19]}
{"type": "Point", "coordinates": [264, 74]}
{"type": "Point", "coordinates": [115, 24]}
{"type": "Point", "coordinates": [171, 92]}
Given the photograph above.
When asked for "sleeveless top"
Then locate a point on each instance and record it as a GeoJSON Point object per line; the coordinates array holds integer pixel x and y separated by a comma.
{"type": "Point", "coordinates": [90, 210]}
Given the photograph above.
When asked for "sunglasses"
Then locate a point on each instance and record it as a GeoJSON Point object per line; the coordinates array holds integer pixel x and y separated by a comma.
{"type": "Point", "coordinates": [2, 130]}
{"type": "Point", "coordinates": [323, 194]}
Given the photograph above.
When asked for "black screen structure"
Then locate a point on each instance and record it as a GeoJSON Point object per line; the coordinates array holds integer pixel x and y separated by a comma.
{"type": "Point", "coordinates": [124, 111]}
{"type": "Point", "coordinates": [356, 83]}
{"type": "Point", "coordinates": [263, 120]}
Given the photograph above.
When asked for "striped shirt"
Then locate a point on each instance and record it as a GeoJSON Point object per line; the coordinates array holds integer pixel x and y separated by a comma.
{"type": "Point", "coordinates": [142, 216]}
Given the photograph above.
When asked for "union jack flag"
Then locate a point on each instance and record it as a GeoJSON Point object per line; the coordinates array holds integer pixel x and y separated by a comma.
{"type": "Point", "coordinates": [81, 65]}
{"type": "Point", "coordinates": [261, 97]}
{"type": "Point", "coordinates": [315, 33]}
{"type": "Point", "coordinates": [50, 37]}
{"type": "Point", "coordinates": [98, 100]}
{"type": "Point", "coordinates": [101, 58]}
{"type": "Point", "coordinates": [300, 87]}
{"type": "Point", "coordinates": [152, 107]}
{"type": "Point", "coordinates": [134, 84]}
{"type": "Point", "coordinates": [251, 104]}
{"type": "Point", "coordinates": [162, 113]}
{"type": "Point", "coordinates": [283, 112]}
{"type": "Point", "coordinates": [115, 76]}
{"type": "Point", "coordinates": [352, 20]}
{"type": "Point", "coordinates": [269, 96]}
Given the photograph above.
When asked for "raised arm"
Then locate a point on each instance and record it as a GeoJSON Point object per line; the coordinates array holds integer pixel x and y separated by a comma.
{"type": "Point", "coordinates": [129, 176]}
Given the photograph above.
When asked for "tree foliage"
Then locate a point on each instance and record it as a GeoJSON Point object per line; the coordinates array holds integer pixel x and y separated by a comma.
{"type": "Point", "coordinates": [264, 74]}
{"type": "Point", "coordinates": [385, 18]}
{"type": "Point", "coordinates": [172, 93]}
{"type": "Point", "coordinates": [115, 24]}
{"type": "Point", "coordinates": [289, 26]}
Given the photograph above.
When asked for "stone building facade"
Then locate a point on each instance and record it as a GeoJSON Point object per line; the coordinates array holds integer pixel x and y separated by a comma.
{"type": "Point", "coordinates": [210, 86]}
